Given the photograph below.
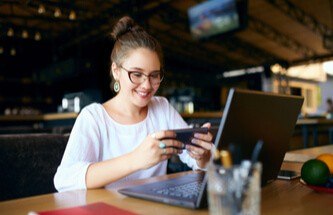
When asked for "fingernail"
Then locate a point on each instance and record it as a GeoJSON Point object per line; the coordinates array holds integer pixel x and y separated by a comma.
{"type": "Point", "coordinates": [193, 141]}
{"type": "Point", "coordinates": [196, 135]}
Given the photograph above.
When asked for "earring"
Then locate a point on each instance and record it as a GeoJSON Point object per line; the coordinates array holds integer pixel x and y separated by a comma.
{"type": "Point", "coordinates": [116, 86]}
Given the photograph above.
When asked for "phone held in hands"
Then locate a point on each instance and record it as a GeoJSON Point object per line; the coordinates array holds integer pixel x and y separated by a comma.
{"type": "Point", "coordinates": [186, 135]}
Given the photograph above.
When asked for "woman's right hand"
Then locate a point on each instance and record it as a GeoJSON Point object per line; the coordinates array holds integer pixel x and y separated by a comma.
{"type": "Point", "coordinates": [157, 147]}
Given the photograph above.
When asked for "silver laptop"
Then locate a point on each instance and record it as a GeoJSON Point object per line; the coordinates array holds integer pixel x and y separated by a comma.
{"type": "Point", "coordinates": [248, 116]}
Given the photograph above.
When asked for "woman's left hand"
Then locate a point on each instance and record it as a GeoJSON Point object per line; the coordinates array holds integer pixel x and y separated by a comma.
{"type": "Point", "coordinates": [201, 151]}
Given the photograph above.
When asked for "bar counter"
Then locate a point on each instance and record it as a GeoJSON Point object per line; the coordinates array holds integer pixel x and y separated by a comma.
{"type": "Point", "coordinates": [39, 117]}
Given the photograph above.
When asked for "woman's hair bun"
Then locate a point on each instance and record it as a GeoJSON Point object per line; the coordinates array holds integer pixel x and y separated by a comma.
{"type": "Point", "coordinates": [124, 25]}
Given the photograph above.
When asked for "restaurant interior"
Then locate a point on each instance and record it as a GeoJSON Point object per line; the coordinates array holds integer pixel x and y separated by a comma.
{"type": "Point", "coordinates": [55, 60]}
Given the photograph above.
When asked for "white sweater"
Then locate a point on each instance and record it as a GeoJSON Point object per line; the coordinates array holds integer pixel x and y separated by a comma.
{"type": "Point", "coordinates": [97, 137]}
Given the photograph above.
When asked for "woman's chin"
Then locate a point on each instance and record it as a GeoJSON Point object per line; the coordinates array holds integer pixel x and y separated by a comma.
{"type": "Point", "coordinates": [142, 102]}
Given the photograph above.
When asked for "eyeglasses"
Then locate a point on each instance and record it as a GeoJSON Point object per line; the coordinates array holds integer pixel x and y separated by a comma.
{"type": "Point", "coordinates": [155, 78]}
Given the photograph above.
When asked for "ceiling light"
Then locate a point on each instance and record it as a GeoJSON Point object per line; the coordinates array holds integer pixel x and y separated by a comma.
{"type": "Point", "coordinates": [41, 9]}
{"type": "Point", "coordinates": [25, 34]}
{"type": "Point", "coordinates": [311, 71]}
{"type": "Point", "coordinates": [57, 12]}
{"type": "Point", "coordinates": [72, 15]}
{"type": "Point", "coordinates": [328, 67]}
{"type": "Point", "coordinates": [12, 51]}
{"type": "Point", "coordinates": [1, 50]}
{"type": "Point", "coordinates": [276, 68]}
{"type": "Point", "coordinates": [38, 36]}
{"type": "Point", "coordinates": [10, 32]}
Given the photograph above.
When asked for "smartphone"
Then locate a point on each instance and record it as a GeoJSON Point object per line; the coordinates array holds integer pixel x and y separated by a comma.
{"type": "Point", "coordinates": [186, 135]}
{"type": "Point", "coordinates": [288, 174]}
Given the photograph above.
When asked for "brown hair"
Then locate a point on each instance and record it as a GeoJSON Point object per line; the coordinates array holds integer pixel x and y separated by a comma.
{"type": "Point", "coordinates": [129, 36]}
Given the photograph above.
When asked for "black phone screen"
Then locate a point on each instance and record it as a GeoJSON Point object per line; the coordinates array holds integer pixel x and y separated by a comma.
{"type": "Point", "coordinates": [186, 135]}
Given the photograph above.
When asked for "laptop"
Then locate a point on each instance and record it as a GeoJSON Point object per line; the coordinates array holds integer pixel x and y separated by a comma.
{"type": "Point", "coordinates": [248, 116]}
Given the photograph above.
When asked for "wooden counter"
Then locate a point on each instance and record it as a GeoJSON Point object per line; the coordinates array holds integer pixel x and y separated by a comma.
{"type": "Point", "coordinates": [218, 114]}
{"type": "Point", "coordinates": [213, 114]}
{"type": "Point", "coordinates": [321, 121]}
{"type": "Point", "coordinates": [41, 117]}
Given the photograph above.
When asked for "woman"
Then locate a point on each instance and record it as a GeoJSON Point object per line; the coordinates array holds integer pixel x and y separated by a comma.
{"type": "Point", "coordinates": [121, 139]}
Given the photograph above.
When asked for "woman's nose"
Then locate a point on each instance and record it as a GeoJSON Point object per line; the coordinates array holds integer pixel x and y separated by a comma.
{"type": "Point", "coordinates": [146, 82]}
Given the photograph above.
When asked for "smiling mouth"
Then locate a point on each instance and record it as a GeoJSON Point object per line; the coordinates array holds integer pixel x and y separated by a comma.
{"type": "Point", "coordinates": [143, 94]}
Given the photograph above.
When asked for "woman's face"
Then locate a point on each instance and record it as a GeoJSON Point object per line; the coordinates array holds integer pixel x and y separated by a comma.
{"type": "Point", "coordinates": [140, 63]}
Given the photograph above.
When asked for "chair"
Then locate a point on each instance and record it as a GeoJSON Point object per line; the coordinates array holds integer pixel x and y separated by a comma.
{"type": "Point", "coordinates": [28, 163]}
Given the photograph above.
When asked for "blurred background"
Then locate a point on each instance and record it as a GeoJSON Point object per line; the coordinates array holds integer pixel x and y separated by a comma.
{"type": "Point", "coordinates": [54, 51]}
{"type": "Point", "coordinates": [55, 60]}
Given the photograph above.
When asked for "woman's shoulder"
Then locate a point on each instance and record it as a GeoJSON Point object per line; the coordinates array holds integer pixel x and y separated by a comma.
{"type": "Point", "coordinates": [92, 106]}
{"type": "Point", "coordinates": [92, 109]}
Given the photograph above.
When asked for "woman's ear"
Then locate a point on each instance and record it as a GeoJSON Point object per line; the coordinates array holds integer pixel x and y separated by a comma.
{"type": "Point", "coordinates": [115, 71]}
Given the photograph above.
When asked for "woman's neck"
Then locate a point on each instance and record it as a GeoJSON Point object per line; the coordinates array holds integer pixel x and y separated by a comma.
{"type": "Point", "coordinates": [125, 112]}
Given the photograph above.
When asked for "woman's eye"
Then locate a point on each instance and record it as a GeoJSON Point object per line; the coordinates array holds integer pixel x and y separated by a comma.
{"type": "Point", "coordinates": [155, 75]}
{"type": "Point", "coordinates": [137, 74]}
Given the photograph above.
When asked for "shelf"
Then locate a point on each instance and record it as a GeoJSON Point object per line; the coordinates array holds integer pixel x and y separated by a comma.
{"type": "Point", "coordinates": [210, 114]}
{"type": "Point", "coordinates": [41, 117]}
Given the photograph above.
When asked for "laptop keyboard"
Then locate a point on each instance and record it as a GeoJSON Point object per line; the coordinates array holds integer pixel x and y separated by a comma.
{"type": "Point", "coordinates": [187, 191]}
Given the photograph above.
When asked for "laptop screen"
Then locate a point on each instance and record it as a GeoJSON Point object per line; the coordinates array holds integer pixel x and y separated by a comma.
{"type": "Point", "coordinates": [250, 116]}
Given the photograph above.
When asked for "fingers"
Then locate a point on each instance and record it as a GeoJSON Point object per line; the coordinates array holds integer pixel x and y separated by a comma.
{"type": "Point", "coordinates": [165, 145]}
{"type": "Point", "coordinates": [174, 144]}
{"type": "Point", "coordinates": [205, 137]}
{"type": "Point", "coordinates": [195, 150]}
{"type": "Point", "coordinates": [170, 147]}
{"type": "Point", "coordinates": [165, 148]}
{"type": "Point", "coordinates": [160, 136]}
{"type": "Point", "coordinates": [163, 135]}
{"type": "Point", "coordinates": [198, 153]}
{"type": "Point", "coordinates": [165, 157]}
{"type": "Point", "coordinates": [207, 125]}
{"type": "Point", "coordinates": [170, 151]}
{"type": "Point", "coordinates": [195, 156]}
{"type": "Point", "coordinates": [170, 143]}
{"type": "Point", "coordinates": [203, 140]}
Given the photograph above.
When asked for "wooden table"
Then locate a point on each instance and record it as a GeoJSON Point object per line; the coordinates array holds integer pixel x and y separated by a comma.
{"type": "Point", "coordinates": [279, 197]}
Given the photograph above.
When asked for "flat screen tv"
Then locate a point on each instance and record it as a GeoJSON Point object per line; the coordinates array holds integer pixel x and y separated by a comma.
{"type": "Point", "coordinates": [216, 17]}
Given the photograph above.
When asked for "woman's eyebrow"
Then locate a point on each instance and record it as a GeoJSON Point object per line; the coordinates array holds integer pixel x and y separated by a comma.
{"type": "Point", "coordinates": [142, 70]}
{"type": "Point", "coordinates": [136, 68]}
{"type": "Point", "coordinates": [154, 71]}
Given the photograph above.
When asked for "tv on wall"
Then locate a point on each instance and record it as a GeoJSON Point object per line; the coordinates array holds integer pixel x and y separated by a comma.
{"type": "Point", "coordinates": [216, 17]}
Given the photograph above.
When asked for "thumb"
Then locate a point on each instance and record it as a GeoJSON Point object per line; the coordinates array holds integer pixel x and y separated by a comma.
{"type": "Point", "coordinates": [207, 125]}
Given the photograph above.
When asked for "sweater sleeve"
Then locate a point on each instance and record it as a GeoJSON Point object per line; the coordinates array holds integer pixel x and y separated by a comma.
{"type": "Point", "coordinates": [82, 149]}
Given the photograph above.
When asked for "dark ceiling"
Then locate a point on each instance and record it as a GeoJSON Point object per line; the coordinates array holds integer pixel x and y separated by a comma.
{"type": "Point", "coordinates": [289, 31]}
